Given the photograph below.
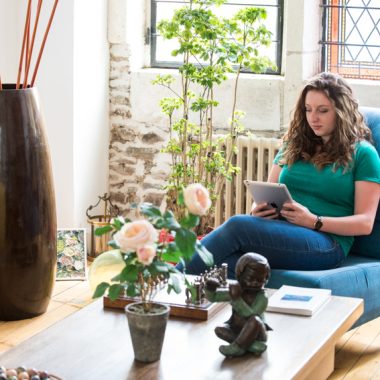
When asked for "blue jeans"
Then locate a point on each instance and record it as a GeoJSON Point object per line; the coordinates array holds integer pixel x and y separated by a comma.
{"type": "Point", "coordinates": [285, 245]}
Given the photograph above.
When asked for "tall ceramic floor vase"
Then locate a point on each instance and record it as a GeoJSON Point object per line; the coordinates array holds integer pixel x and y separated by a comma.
{"type": "Point", "coordinates": [147, 330]}
{"type": "Point", "coordinates": [28, 227]}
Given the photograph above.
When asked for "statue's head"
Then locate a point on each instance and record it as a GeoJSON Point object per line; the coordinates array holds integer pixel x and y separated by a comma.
{"type": "Point", "coordinates": [252, 270]}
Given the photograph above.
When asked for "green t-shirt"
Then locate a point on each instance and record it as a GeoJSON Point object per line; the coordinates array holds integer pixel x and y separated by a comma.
{"type": "Point", "coordinates": [328, 193]}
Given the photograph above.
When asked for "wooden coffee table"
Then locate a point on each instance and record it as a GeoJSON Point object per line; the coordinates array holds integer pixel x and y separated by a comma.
{"type": "Point", "coordinates": [95, 344]}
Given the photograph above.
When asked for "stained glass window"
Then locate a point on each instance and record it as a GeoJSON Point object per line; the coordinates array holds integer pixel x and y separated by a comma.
{"type": "Point", "coordinates": [351, 38]}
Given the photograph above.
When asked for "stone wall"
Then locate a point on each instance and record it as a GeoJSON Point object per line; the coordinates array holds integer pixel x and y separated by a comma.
{"type": "Point", "coordinates": [137, 169]}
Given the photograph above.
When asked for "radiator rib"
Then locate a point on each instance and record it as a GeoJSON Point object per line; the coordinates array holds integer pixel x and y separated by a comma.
{"type": "Point", "coordinates": [255, 158]}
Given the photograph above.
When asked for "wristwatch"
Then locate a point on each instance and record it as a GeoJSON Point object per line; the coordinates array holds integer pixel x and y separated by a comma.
{"type": "Point", "coordinates": [318, 223]}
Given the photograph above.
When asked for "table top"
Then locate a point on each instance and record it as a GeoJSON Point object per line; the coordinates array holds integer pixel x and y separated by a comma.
{"type": "Point", "coordinates": [94, 343]}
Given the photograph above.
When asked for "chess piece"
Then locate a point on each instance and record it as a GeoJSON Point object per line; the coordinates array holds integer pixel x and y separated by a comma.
{"type": "Point", "coordinates": [196, 296]}
{"type": "Point", "coordinates": [246, 330]}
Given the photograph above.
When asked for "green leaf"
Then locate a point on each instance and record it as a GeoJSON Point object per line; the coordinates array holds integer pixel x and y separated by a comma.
{"type": "Point", "coordinates": [187, 282]}
{"type": "Point", "coordinates": [132, 290]}
{"type": "Point", "coordinates": [185, 241]}
{"type": "Point", "coordinates": [205, 254]}
{"type": "Point", "coordinates": [114, 291]}
{"type": "Point", "coordinates": [150, 210]}
{"type": "Point", "coordinates": [116, 278]}
{"type": "Point", "coordinates": [171, 257]}
{"type": "Point", "coordinates": [190, 221]}
{"type": "Point", "coordinates": [103, 230]}
{"type": "Point", "coordinates": [161, 267]}
{"type": "Point", "coordinates": [100, 289]}
{"type": "Point", "coordinates": [170, 222]}
{"type": "Point", "coordinates": [192, 290]}
{"type": "Point", "coordinates": [119, 222]}
{"type": "Point", "coordinates": [129, 273]}
{"type": "Point", "coordinates": [181, 199]}
{"type": "Point", "coordinates": [157, 222]}
{"type": "Point", "coordinates": [175, 284]}
{"type": "Point", "coordinates": [113, 244]}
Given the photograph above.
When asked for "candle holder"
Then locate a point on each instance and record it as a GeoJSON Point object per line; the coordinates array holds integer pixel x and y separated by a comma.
{"type": "Point", "coordinates": [99, 244]}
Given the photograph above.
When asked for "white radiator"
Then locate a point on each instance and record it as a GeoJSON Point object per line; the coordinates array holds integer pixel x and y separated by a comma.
{"type": "Point", "coordinates": [255, 158]}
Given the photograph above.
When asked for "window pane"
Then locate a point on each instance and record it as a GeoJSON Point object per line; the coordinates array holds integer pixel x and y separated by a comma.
{"type": "Point", "coordinates": [351, 38]}
{"type": "Point", "coordinates": [163, 9]}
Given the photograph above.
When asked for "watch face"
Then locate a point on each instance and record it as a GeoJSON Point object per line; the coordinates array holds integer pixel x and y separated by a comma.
{"type": "Point", "coordinates": [318, 224]}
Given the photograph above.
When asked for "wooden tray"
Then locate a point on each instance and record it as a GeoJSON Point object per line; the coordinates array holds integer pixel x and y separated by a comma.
{"type": "Point", "coordinates": [177, 303]}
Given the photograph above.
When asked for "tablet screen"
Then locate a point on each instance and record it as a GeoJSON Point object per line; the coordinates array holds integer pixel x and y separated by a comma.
{"type": "Point", "coordinates": [275, 194]}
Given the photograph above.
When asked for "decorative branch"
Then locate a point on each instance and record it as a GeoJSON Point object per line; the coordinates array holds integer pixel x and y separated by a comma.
{"type": "Point", "coordinates": [43, 42]}
{"type": "Point", "coordinates": [30, 52]}
{"type": "Point", "coordinates": [27, 40]}
{"type": "Point", "coordinates": [25, 43]}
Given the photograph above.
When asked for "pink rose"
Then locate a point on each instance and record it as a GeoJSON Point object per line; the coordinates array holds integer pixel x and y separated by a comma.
{"type": "Point", "coordinates": [66, 261]}
{"type": "Point", "coordinates": [146, 254]}
{"type": "Point", "coordinates": [197, 199]}
{"type": "Point", "coordinates": [135, 234]}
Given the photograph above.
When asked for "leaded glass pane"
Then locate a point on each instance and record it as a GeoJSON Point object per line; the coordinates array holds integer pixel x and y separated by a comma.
{"type": "Point", "coordinates": [351, 38]}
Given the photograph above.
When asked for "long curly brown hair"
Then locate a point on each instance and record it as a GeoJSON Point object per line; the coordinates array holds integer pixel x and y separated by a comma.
{"type": "Point", "coordinates": [300, 142]}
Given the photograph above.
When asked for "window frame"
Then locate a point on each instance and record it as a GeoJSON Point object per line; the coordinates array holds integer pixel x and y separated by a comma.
{"type": "Point", "coordinates": [152, 37]}
{"type": "Point", "coordinates": [333, 45]}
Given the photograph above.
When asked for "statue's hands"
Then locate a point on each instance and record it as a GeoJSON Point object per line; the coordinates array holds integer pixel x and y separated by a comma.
{"type": "Point", "coordinates": [212, 284]}
{"type": "Point", "coordinates": [235, 291]}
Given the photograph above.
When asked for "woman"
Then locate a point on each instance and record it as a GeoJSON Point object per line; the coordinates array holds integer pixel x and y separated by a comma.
{"type": "Point", "coordinates": [333, 174]}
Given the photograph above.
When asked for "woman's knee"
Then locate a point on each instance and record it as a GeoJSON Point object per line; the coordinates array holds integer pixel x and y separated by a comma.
{"type": "Point", "coordinates": [235, 223]}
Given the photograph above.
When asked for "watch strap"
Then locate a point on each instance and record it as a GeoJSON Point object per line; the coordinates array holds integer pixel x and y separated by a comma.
{"type": "Point", "coordinates": [318, 223]}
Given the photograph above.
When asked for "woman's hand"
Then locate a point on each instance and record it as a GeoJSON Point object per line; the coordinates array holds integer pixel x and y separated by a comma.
{"type": "Point", "coordinates": [263, 210]}
{"type": "Point", "coordinates": [295, 213]}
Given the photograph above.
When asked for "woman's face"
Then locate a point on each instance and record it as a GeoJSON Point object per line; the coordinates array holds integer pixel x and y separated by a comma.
{"type": "Point", "coordinates": [320, 114]}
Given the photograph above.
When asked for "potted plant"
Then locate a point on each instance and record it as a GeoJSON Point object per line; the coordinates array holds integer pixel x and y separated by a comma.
{"type": "Point", "coordinates": [142, 261]}
{"type": "Point", "coordinates": [213, 48]}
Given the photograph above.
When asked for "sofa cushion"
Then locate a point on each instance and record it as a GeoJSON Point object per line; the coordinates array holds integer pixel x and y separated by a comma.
{"type": "Point", "coordinates": [356, 277]}
{"type": "Point", "coordinates": [370, 245]}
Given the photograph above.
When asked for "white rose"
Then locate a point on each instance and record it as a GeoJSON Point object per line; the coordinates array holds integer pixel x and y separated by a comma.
{"type": "Point", "coordinates": [146, 254]}
{"type": "Point", "coordinates": [197, 199]}
{"type": "Point", "coordinates": [135, 234]}
{"type": "Point", "coordinates": [69, 251]}
{"type": "Point", "coordinates": [78, 265]}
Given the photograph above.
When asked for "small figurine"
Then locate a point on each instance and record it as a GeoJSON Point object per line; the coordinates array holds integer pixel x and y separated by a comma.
{"type": "Point", "coordinates": [246, 330]}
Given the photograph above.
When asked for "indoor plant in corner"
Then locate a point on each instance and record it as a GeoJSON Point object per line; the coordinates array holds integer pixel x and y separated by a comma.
{"type": "Point", "coordinates": [142, 263]}
{"type": "Point", "coordinates": [213, 49]}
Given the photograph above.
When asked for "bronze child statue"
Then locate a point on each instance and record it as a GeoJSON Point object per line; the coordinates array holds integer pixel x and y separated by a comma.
{"type": "Point", "coordinates": [246, 330]}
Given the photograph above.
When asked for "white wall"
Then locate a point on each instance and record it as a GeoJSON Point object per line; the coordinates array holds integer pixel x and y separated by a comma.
{"type": "Point", "coordinates": [90, 85]}
{"type": "Point", "coordinates": [73, 87]}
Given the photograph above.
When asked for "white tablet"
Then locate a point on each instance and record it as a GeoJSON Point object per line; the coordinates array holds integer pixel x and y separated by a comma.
{"type": "Point", "coordinates": [275, 194]}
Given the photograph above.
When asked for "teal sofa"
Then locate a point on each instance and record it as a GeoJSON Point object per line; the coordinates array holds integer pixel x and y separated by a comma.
{"type": "Point", "coordinates": [359, 275]}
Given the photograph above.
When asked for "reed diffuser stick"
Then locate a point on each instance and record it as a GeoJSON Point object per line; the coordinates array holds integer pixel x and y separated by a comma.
{"type": "Point", "coordinates": [1, 85]}
{"type": "Point", "coordinates": [43, 42]}
{"type": "Point", "coordinates": [24, 44]}
{"type": "Point", "coordinates": [27, 46]}
{"type": "Point", "coordinates": [30, 53]}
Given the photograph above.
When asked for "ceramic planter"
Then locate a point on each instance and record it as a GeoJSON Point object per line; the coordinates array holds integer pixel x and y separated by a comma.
{"type": "Point", "coordinates": [147, 330]}
{"type": "Point", "coordinates": [28, 227]}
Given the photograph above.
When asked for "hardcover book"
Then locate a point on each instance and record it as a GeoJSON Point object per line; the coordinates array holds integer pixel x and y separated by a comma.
{"type": "Point", "coordinates": [298, 300]}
